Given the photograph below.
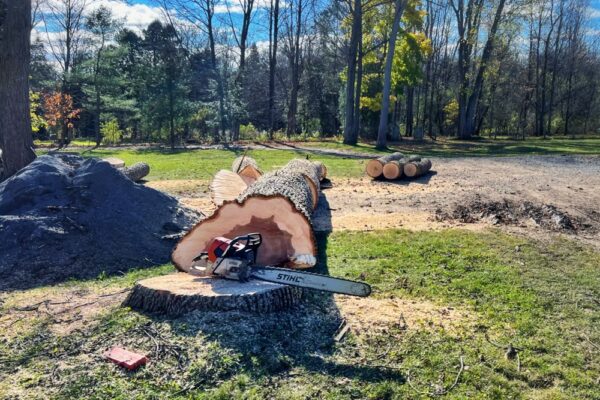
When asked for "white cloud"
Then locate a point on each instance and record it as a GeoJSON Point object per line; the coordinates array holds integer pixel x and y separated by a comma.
{"type": "Point", "coordinates": [136, 16]}
{"type": "Point", "coordinates": [593, 13]}
{"type": "Point", "coordinates": [235, 6]}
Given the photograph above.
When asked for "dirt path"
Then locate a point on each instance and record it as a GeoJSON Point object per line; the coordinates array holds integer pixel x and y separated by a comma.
{"type": "Point", "coordinates": [569, 183]}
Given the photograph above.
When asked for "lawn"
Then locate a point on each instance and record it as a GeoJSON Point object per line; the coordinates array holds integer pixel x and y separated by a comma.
{"type": "Point", "coordinates": [201, 164]}
{"type": "Point", "coordinates": [448, 147]}
{"type": "Point", "coordinates": [540, 297]}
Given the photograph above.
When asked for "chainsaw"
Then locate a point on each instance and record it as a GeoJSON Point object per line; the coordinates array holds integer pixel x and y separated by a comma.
{"type": "Point", "coordinates": [235, 259]}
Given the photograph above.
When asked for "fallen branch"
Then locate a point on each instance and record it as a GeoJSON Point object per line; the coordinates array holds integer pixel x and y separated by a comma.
{"type": "Point", "coordinates": [440, 391]}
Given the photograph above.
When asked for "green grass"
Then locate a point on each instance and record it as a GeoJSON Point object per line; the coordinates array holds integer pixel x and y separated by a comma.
{"type": "Point", "coordinates": [445, 147]}
{"type": "Point", "coordinates": [201, 164]}
{"type": "Point", "coordinates": [541, 297]}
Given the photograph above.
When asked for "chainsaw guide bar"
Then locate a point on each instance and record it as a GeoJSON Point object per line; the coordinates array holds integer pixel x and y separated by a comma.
{"type": "Point", "coordinates": [236, 260]}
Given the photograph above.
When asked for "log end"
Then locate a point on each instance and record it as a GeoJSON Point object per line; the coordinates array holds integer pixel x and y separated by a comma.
{"type": "Point", "coordinates": [392, 170]}
{"type": "Point", "coordinates": [180, 293]}
{"type": "Point", "coordinates": [410, 170]}
{"type": "Point", "coordinates": [287, 233]}
{"type": "Point", "coordinates": [374, 168]}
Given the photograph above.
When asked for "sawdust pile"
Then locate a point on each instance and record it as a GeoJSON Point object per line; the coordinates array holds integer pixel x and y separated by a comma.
{"type": "Point", "coordinates": [508, 212]}
{"type": "Point", "coordinates": [67, 217]}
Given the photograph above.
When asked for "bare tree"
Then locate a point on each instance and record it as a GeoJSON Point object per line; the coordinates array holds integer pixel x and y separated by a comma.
{"type": "Point", "coordinates": [201, 13]}
{"type": "Point", "coordinates": [387, 75]}
{"type": "Point", "coordinates": [65, 42]}
{"type": "Point", "coordinates": [273, 42]}
{"type": "Point", "coordinates": [355, 35]}
{"type": "Point", "coordinates": [15, 126]}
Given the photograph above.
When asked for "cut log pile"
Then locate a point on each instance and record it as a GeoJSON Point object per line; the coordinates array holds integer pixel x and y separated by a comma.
{"type": "Point", "coordinates": [396, 165]}
{"type": "Point", "coordinates": [278, 205]}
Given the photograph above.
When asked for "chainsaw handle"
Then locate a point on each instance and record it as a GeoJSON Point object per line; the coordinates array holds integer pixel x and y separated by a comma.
{"type": "Point", "coordinates": [250, 241]}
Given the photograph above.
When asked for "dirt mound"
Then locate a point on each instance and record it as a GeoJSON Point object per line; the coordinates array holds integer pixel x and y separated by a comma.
{"type": "Point", "coordinates": [508, 212]}
{"type": "Point", "coordinates": [67, 217]}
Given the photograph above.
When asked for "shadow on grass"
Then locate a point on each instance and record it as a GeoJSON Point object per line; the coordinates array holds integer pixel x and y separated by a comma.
{"type": "Point", "coordinates": [269, 344]}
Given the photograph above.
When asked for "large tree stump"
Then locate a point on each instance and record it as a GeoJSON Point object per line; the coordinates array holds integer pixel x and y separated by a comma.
{"type": "Point", "coordinates": [375, 167]}
{"type": "Point", "coordinates": [181, 293]}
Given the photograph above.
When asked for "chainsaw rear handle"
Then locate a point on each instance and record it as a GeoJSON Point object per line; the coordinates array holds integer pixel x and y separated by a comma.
{"type": "Point", "coordinates": [249, 242]}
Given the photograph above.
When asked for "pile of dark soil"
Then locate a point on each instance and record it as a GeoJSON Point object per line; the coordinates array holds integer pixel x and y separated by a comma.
{"type": "Point", "coordinates": [508, 212]}
{"type": "Point", "coordinates": [64, 217]}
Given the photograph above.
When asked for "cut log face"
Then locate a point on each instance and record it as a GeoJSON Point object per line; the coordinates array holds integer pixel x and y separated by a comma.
{"type": "Point", "coordinates": [393, 170]}
{"type": "Point", "coordinates": [226, 186]}
{"type": "Point", "coordinates": [286, 232]}
{"type": "Point", "coordinates": [417, 168]}
{"type": "Point", "coordinates": [374, 167]}
{"type": "Point", "coordinates": [247, 168]}
{"type": "Point", "coordinates": [180, 293]}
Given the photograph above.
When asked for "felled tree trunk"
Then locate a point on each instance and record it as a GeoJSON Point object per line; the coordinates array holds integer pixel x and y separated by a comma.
{"type": "Point", "coordinates": [180, 293]}
{"type": "Point", "coordinates": [375, 167]}
{"type": "Point", "coordinates": [417, 168]}
{"type": "Point", "coordinates": [137, 171]}
{"type": "Point", "coordinates": [279, 206]}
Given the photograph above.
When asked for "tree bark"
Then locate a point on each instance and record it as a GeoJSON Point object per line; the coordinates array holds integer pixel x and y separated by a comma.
{"type": "Point", "coordinates": [470, 124]}
{"type": "Point", "coordinates": [410, 91]}
{"type": "Point", "coordinates": [387, 77]}
{"type": "Point", "coordinates": [350, 82]}
{"type": "Point", "coordinates": [359, 74]}
{"type": "Point", "coordinates": [417, 168]}
{"type": "Point", "coordinates": [273, 34]}
{"type": "Point", "coordinates": [16, 143]}
{"type": "Point", "coordinates": [295, 66]}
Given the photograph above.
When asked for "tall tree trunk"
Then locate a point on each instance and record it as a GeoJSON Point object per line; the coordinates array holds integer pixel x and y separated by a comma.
{"type": "Point", "coordinates": [171, 114]}
{"type": "Point", "coordinates": [554, 67]}
{"type": "Point", "coordinates": [359, 75]}
{"type": "Point", "coordinates": [410, 93]}
{"type": "Point", "coordinates": [273, 33]}
{"type": "Point", "coordinates": [215, 68]}
{"type": "Point", "coordinates": [97, 90]}
{"type": "Point", "coordinates": [350, 82]}
{"type": "Point", "coordinates": [15, 125]}
{"type": "Point", "coordinates": [387, 77]}
{"type": "Point", "coordinates": [292, 126]}
{"type": "Point", "coordinates": [470, 126]}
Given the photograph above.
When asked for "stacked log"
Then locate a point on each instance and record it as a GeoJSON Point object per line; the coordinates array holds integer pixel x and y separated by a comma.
{"type": "Point", "coordinates": [394, 166]}
{"type": "Point", "coordinates": [393, 169]}
{"type": "Point", "coordinates": [417, 168]}
{"type": "Point", "coordinates": [375, 167]}
{"type": "Point", "coordinates": [279, 206]}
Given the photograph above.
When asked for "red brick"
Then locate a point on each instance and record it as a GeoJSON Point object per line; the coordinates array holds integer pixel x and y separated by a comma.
{"type": "Point", "coordinates": [126, 358]}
